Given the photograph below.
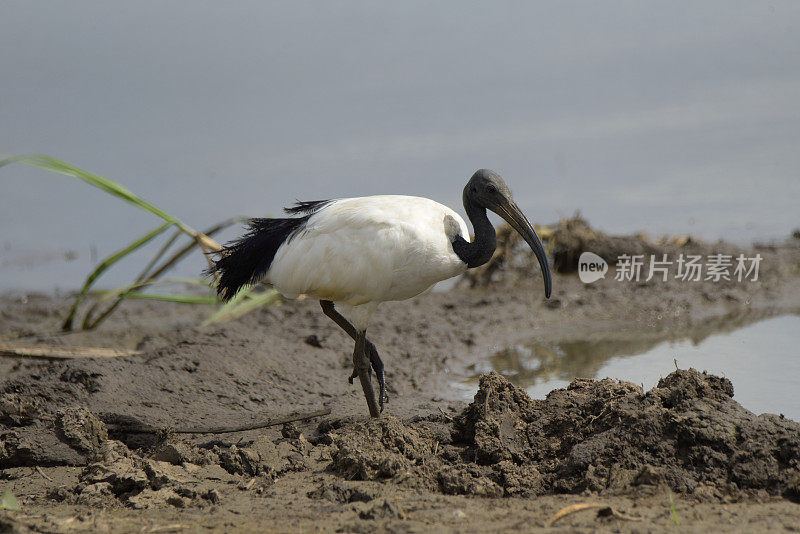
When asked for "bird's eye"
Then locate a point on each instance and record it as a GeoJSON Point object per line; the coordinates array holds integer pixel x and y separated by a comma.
{"type": "Point", "coordinates": [491, 189]}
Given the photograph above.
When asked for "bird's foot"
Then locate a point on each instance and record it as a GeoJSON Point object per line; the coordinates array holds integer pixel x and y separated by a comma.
{"type": "Point", "coordinates": [383, 397]}
{"type": "Point", "coordinates": [377, 365]}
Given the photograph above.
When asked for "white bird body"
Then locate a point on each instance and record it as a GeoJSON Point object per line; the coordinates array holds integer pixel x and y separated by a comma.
{"type": "Point", "coordinates": [354, 253]}
{"type": "Point", "coordinates": [367, 250]}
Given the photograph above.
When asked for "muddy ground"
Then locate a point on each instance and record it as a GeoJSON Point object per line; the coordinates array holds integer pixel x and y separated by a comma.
{"type": "Point", "coordinates": [684, 452]}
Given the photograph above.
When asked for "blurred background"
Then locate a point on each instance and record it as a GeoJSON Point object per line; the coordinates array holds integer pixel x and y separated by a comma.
{"type": "Point", "coordinates": [666, 117]}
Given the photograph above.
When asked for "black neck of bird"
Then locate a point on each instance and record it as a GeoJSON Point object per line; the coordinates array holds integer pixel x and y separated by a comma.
{"type": "Point", "coordinates": [482, 247]}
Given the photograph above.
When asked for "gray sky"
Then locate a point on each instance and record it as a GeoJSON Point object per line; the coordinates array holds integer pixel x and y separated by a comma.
{"type": "Point", "coordinates": [659, 116]}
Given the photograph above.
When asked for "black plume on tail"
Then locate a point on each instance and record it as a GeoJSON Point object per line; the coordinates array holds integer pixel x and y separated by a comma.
{"type": "Point", "coordinates": [247, 259]}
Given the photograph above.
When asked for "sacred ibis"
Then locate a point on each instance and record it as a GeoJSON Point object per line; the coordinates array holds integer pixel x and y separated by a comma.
{"type": "Point", "coordinates": [359, 252]}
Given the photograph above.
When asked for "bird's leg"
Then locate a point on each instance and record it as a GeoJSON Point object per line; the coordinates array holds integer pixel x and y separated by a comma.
{"type": "Point", "coordinates": [361, 364]}
{"type": "Point", "coordinates": [377, 366]}
{"type": "Point", "coordinates": [374, 358]}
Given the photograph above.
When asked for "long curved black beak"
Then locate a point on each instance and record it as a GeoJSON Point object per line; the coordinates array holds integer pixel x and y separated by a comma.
{"type": "Point", "coordinates": [509, 211]}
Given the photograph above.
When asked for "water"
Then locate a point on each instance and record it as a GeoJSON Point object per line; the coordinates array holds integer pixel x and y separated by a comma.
{"type": "Point", "coordinates": [761, 358]}
{"type": "Point", "coordinates": [669, 118]}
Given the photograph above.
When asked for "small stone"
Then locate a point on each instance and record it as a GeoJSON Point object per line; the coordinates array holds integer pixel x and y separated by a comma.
{"type": "Point", "coordinates": [314, 341]}
{"type": "Point", "coordinates": [553, 304]}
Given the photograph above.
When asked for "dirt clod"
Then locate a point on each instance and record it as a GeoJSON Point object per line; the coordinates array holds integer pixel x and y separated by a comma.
{"type": "Point", "coordinates": [179, 452]}
{"type": "Point", "coordinates": [604, 435]}
{"type": "Point", "coordinates": [260, 458]}
{"type": "Point", "coordinates": [82, 431]}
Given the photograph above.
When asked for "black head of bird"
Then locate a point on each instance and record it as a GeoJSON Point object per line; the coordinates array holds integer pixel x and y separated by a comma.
{"type": "Point", "coordinates": [487, 190]}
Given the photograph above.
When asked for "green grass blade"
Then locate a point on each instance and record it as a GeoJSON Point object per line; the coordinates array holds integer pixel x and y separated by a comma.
{"type": "Point", "coordinates": [89, 323]}
{"type": "Point", "coordinates": [182, 299]}
{"type": "Point", "coordinates": [104, 265]}
{"type": "Point", "coordinates": [673, 512]}
{"type": "Point", "coordinates": [242, 303]}
{"type": "Point", "coordinates": [202, 239]}
{"type": "Point", "coordinates": [107, 294]}
{"type": "Point", "coordinates": [61, 167]}
{"type": "Point", "coordinates": [225, 308]}
{"type": "Point", "coordinates": [166, 265]}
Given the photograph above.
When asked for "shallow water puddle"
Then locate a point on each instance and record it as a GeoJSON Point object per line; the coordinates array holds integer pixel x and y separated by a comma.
{"type": "Point", "coordinates": [761, 358]}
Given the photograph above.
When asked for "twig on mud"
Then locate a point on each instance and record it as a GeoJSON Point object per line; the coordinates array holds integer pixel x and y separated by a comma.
{"type": "Point", "coordinates": [39, 470]}
{"type": "Point", "coordinates": [174, 527]}
{"type": "Point", "coordinates": [147, 429]}
{"type": "Point", "coordinates": [604, 510]}
{"type": "Point", "coordinates": [446, 417]}
{"type": "Point", "coordinates": [571, 509]}
{"type": "Point", "coordinates": [60, 352]}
